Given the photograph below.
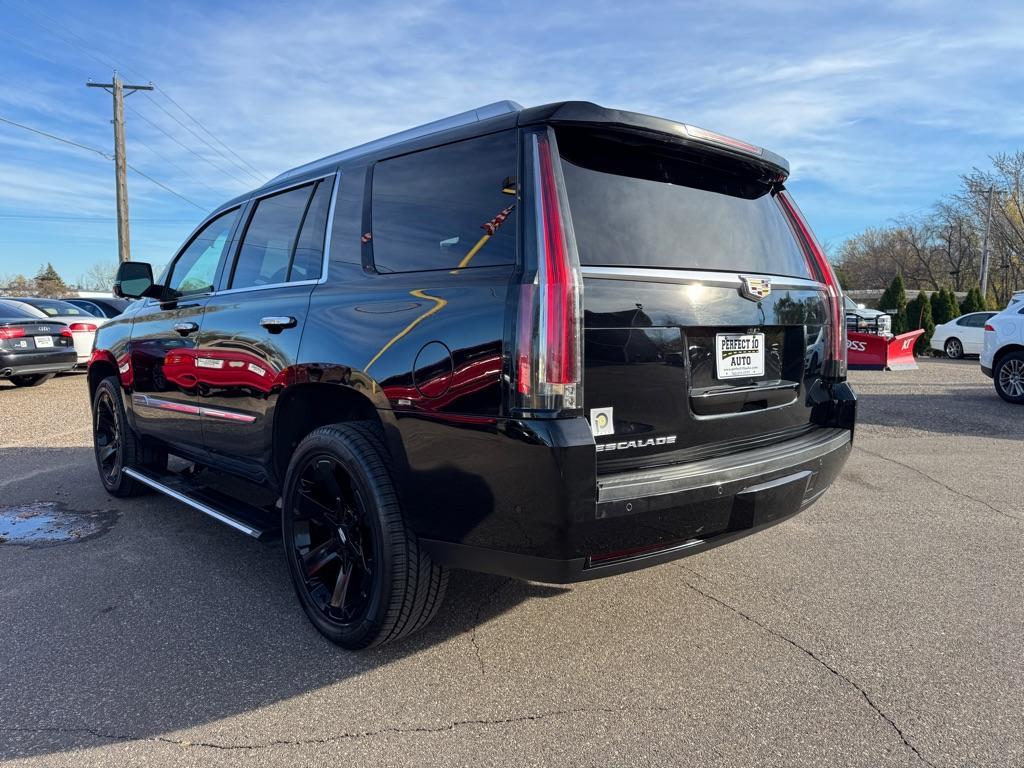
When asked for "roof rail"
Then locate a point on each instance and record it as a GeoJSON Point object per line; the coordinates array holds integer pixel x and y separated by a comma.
{"type": "Point", "coordinates": [463, 118]}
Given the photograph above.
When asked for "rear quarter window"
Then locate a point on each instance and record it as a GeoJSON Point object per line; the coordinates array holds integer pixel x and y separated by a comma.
{"type": "Point", "coordinates": [447, 207]}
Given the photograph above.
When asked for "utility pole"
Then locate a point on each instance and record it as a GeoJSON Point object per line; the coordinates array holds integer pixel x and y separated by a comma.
{"type": "Point", "coordinates": [117, 88]}
{"type": "Point", "coordinates": [984, 246]}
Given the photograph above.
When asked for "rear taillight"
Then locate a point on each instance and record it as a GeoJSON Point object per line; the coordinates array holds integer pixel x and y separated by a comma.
{"type": "Point", "coordinates": [547, 358]}
{"type": "Point", "coordinates": [989, 327]}
{"type": "Point", "coordinates": [82, 328]}
{"type": "Point", "coordinates": [11, 333]}
{"type": "Point", "coordinates": [835, 364]}
{"type": "Point", "coordinates": [66, 332]}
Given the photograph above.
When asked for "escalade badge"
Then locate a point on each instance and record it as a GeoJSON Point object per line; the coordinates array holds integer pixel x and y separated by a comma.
{"type": "Point", "coordinates": [755, 288]}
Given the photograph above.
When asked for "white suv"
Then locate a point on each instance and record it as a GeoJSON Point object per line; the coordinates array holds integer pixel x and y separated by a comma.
{"type": "Point", "coordinates": [1002, 356]}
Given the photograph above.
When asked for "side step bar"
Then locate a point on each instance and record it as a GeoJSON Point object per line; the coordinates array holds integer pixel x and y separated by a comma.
{"type": "Point", "coordinates": [235, 514]}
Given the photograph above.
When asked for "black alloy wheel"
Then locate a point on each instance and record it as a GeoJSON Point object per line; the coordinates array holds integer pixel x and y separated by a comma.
{"type": "Point", "coordinates": [332, 542]}
{"type": "Point", "coordinates": [116, 445]}
{"type": "Point", "coordinates": [107, 437]}
{"type": "Point", "coordinates": [358, 570]}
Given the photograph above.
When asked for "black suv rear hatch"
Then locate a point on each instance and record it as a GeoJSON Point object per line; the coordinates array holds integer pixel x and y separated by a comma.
{"type": "Point", "coordinates": [704, 325]}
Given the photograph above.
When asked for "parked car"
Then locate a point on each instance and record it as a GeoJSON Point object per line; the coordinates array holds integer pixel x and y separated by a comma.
{"type": "Point", "coordinates": [1002, 357]}
{"type": "Point", "coordinates": [861, 319]}
{"type": "Point", "coordinates": [32, 349]}
{"type": "Point", "coordinates": [421, 359]}
{"type": "Point", "coordinates": [100, 307]}
{"type": "Point", "coordinates": [82, 324]}
{"type": "Point", "coordinates": [961, 336]}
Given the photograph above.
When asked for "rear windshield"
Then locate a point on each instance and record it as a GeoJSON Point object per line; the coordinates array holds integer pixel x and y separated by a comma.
{"type": "Point", "coordinates": [55, 308]}
{"type": "Point", "coordinates": [640, 203]}
{"type": "Point", "coordinates": [12, 309]}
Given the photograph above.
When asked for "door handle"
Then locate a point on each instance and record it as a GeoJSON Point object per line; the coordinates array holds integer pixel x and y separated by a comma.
{"type": "Point", "coordinates": [276, 324]}
{"type": "Point", "coordinates": [186, 328]}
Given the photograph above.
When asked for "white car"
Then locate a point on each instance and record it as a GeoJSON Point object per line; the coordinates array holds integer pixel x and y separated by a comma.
{"type": "Point", "coordinates": [1017, 299]}
{"type": "Point", "coordinates": [961, 336]}
{"type": "Point", "coordinates": [83, 325]}
{"type": "Point", "coordinates": [1002, 358]}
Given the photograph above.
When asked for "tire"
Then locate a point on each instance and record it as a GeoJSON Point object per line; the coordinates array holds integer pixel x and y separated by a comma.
{"type": "Point", "coordinates": [31, 380]}
{"type": "Point", "coordinates": [358, 571]}
{"type": "Point", "coordinates": [115, 444]}
{"type": "Point", "coordinates": [954, 348]}
{"type": "Point", "coordinates": [1008, 377]}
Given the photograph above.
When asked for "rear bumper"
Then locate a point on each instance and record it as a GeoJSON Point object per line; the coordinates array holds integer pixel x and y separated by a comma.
{"type": "Point", "coordinates": [648, 517]}
{"type": "Point", "coordinates": [986, 370]}
{"type": "Point", "coordinates": [24, 363]}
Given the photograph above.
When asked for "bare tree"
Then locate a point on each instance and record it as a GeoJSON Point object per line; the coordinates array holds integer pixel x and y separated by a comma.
{"type": "Point", "coordinates": [99, 277]}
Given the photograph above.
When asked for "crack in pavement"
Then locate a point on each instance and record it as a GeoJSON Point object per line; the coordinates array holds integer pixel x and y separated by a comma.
{"type": "Point", "coordinates": [878, 710]}
{"type": "Point", "coordinates": [951, 489]}
{"type": "Point", "coordinates": [476, 625]}
{"type": "Point", "coordinates": [346, 736]}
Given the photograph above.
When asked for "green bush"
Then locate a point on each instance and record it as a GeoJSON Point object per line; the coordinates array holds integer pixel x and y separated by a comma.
{"type": "Point", "coordinates": [973, 302]}
{"type": "Point", "coordinates": [944, 306]}
{"type": "Point", "coordinates": [895, 298]}
{"type": "Point", "coordinates": [919, 315]}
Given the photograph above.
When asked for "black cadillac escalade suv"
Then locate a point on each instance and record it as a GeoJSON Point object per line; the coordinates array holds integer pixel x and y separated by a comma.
{"type": "Point", "coordinates": [554, 343]}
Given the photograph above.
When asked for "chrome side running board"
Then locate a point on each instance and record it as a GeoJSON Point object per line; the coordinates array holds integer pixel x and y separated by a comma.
{"type": "Point", "coordinates": [163, 485]}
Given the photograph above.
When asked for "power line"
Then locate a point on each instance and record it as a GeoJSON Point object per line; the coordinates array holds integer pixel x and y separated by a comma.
{"type": "Point", "coordinates": [204, 141]}
{"type": "Point", "coordinates": [241, 164]}
{"type": "Point", "coordinates": [172, 163]}
{"type": "Point", "coordinates": [99, 219]}
{"type": "Point", "coordinates": [164, 186]}
{"type": "Point", "coordinates": [87, 52]}
{"type": "Point", "coordinates": [167, 96]}
{"type": "Point", "coordinates": [101, 153]}
{"type": "Point", "coordinates": [186, 147]}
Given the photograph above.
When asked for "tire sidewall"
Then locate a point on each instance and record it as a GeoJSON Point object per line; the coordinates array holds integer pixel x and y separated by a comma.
{"type": "Point", "coordinates": [335, 444]}
{"type": "Point", "coordinates": [960, 348]}
{"type": "Point", "coordinates": [107, 388]}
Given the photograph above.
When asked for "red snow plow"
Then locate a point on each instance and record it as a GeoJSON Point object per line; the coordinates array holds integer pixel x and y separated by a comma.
{"type": "Point", "coordinates": [871, 352]}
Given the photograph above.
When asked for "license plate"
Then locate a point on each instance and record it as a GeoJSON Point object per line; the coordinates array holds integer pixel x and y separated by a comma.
{"type": "Point", "coordinates": [44, 341]}
{"type": "Point", "coordinates": [739, 355]}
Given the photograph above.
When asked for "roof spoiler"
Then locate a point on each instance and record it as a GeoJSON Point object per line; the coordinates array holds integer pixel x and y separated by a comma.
{"type": "Point", "coordinates": [587, 113]}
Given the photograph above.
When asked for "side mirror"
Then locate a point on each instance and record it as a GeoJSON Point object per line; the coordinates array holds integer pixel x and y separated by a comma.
{"type": "Point", "coordinates": [134, 280]}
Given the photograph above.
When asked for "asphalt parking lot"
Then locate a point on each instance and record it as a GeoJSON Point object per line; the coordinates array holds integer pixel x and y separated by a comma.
{"type": "Point", "coordinates": [883, 626]}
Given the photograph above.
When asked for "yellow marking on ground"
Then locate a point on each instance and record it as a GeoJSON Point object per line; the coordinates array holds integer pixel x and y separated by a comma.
{"type": "Point", "coordinates": [418, 293]}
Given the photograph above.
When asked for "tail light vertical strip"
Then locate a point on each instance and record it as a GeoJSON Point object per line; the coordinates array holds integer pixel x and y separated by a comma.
{"type": "Point", "coordinates": [835, 368]}
{"type": "Point", "coordinates": [548, 347]}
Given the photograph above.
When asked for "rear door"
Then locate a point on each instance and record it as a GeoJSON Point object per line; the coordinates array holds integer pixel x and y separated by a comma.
{"type": "Point", "coordinates": [972, 329]}
{"type": "Point", "coordinates": [251, 330]}
{"type": "Point", "coordinates": [704, 326]}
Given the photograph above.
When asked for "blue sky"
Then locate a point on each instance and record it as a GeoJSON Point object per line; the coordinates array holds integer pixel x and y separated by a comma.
{"type": "Point", "coordinates": [878, 106]}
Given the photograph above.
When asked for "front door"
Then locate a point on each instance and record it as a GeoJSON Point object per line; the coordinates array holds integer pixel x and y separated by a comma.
{"type": "Point", "coordinates": [250, 335]}
{"type": "Point", "coordinates": [164, 400]}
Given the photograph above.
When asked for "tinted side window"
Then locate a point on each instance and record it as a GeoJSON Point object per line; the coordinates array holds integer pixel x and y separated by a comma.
{"type": "Point", "coordinates": [270, 238]}
{"type": "Point", "coordinates": [196, 267]}
{"type": "Point", "coordinates": [309, 249]}
{"type": "Point", "coordinates": [447, 207]}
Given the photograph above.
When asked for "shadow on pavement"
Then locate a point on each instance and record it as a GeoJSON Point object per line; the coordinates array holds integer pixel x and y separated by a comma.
{"type": "Point", "coordinates": [170, 620]}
